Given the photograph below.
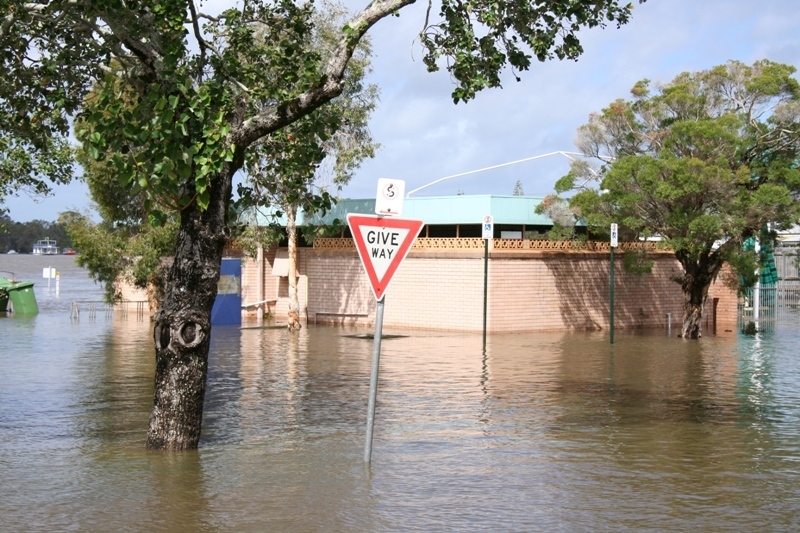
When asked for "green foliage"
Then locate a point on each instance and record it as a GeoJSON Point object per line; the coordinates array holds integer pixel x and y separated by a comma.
{"type": "Point", "coordinates": [708, 158]}
{"type": "Point", "coordinates": [704, 162]}
{"type": "Point", "coordinates": [111, 254]}
{"type": "Point", "coordinates": [294, 168]}
{"type": "Point", "coordinates": [561, 214]}
{"type": "Point", "coordinates": [637, 262]}
{"type": "Point", "coordinates": [745, 269]}
{"type": "Point", "coordinates": [518, 190]}
{"type": "Point", "coordinates": [251, 236]}
{"type": "Point", "coordinates": [146, 141]}
{"type": "Point", "coordinates": [312, 231]}
{"type": "Point", "coordinates": [478, 39]}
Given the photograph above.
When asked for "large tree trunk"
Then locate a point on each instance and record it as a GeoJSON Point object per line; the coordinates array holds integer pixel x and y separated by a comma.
{"type": "Point", "coordinates": [694, 295]}
{"type": "Point", "coordinates": [697, 278]}
{"type": "Point", "coordinates": [183, 325]}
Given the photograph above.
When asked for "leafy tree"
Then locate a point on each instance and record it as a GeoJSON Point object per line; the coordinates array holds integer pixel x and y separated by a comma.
{"type": "Point", "coordinates": [111, 252]}
{"type": "Point", "coordinates": [705, 161]}
{"type": "Point", "coordinates": [124, 245]}
{"type": "Point", "coordinates": [563, 217]}
{"type": "Point", "coordinates": [179, 97]}
{"type": "Point", "coordinates": [295, 167]}
{"type": "Point", "coordinates": [518, 191]}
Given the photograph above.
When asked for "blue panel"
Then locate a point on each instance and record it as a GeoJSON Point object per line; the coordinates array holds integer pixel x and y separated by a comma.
{"type": "Point", "coordinates": [228, 304]}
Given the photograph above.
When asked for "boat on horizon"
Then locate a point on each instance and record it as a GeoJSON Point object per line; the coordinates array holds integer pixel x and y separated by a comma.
{"type": "Point", "coordinates": [45, 247]}
{"type": "Point", "coordinates": [68, 251]}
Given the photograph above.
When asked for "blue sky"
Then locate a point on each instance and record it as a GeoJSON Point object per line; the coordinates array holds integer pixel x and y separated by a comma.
{"type": "Point", "coordinates": [425, 137]}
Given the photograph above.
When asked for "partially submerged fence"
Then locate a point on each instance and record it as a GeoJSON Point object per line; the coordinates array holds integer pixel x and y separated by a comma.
{"type": "Point", "coordinates": [124, 309]}
{"type": "Point", "coordinates": [763, 306]}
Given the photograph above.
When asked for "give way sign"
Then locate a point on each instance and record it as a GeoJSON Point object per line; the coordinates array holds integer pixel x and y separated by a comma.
{"type": "Point", "coordinates": [382, 244]}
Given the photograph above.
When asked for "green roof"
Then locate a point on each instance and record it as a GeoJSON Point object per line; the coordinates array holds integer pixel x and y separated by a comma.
{"type": "Point", "coordinates": [437, 210]}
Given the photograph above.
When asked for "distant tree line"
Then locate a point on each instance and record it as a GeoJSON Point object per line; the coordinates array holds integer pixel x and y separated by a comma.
{"type": "Point", "coordinates": [21, 236]}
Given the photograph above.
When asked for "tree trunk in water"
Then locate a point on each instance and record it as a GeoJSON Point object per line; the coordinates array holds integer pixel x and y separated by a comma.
{"type": "Point", "coordinates": [697, 278]}
{"type": "Point", "coordinates": [291, 235]}
{"type": "Point", "coordinates": [693, 298]}
{"type": "Point", "coordinates": [183, 325]}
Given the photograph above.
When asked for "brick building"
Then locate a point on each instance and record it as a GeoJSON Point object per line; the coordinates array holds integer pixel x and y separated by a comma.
{"type": "Point", "coordinates": [532, 285]}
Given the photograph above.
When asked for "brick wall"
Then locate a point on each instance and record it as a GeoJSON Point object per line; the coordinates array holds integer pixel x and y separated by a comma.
{"type": "Point", "coordinates": [337, 285]}
{"type": "Point", "coordinates": [437, 291]}
{"type": "Point", "coordinates": [528, 291]}
{"type": "Point", "coordinates": [723, 299]}
{"type": "Point", "coordinates": [571, 291]}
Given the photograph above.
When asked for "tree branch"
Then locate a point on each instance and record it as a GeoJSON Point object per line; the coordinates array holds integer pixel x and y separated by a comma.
{"type": "Point", "coordinates": [330, 84]}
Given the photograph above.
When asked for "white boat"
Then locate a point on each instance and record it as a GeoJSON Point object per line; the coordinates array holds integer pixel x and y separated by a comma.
{"type": "Point", "coordinates": [45, 247]}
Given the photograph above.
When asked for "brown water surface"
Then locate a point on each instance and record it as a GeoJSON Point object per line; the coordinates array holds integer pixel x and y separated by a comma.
{"type": "Point", "coordinates": [543, 432]}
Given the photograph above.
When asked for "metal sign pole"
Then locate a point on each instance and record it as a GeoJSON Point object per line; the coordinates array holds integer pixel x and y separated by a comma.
{"type": "Point", "coordinates": [373, 379]}
{"type": "Point", "coordinates": [487, 233]}
{"type": "Point", "coordinates": [611, 284]}
{"type": "Point", "coordinates": [485, 286]}
{"type": "Point", "coordinates": [613, 244]}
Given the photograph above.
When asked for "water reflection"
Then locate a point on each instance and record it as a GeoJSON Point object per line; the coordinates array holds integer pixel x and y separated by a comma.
{"type": "Point", "coordinates": [537, 432]}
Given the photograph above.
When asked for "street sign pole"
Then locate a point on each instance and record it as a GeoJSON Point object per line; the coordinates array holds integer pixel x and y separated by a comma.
{"type": "Point", "coordinates": [485, 286]}
{"type": "Point", "coordinates": [373, 380]}
{"type": "Point", "coordinates": [487, 233]}
{"type": "Point", "coordinates": [382, 243]}
{"type": "Point", "coordinates": [614, 243]}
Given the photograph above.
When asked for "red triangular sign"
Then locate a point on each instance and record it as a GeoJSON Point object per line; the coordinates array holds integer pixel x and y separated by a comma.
{"type": "Point", "coordinates": [382, 244]}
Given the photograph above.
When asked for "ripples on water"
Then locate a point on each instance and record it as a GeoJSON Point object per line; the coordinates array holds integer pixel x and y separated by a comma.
{"type": "Point", "coordinates": [542, 432]}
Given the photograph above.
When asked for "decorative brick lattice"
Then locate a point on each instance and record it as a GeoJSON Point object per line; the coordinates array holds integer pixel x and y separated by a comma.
{"type": "Point", "coordinates": [457, 243]}
{"type": "Point", "coordinates": [329, 243]}
{"type": "Point", "coordinates": [463, 243]}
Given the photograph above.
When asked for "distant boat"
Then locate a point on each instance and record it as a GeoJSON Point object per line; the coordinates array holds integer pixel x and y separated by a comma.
{"type": "Point", "coordinates": [68, 251]}
{"type": "Point", "coordinates": [11, 252]}
{"type": "Point", "coordinates": [45, 247]}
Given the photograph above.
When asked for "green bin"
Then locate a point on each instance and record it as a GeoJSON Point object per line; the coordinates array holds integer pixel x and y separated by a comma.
{"type": "Point", "coordinates": [23, 300]}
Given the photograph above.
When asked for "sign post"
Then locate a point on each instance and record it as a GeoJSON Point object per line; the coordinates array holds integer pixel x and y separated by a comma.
{"type": "Point", "coordinates": [487, 234]}
{"type": "Point", "coordinates": [614, 244]}
{"type": "Point", "coordinates": [382, 244]}
{"type": "Point", "coordinates": [389, 199]}
{"type": "Point", "coordinates": [49, 273]}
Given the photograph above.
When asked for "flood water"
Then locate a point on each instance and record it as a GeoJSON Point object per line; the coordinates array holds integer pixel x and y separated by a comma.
{"type": "Point", "coordinates": [542, 432]}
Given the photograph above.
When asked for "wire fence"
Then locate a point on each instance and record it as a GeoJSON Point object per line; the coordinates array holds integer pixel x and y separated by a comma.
{"type": "Point", "coordinates": [764, 306]}
{"type": "Point", "coordinates": [92, 309]}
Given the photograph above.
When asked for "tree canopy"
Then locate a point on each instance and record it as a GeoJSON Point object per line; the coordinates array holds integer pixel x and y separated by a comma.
{"type": "Point", "coordinates": [705, 162]}
{"type": "Point", "coordinates": [300, 166]}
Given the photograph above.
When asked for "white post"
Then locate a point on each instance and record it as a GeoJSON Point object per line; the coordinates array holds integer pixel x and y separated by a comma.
{"type": "Point", "coordinates": [260, 284]}
{"type": "Point", "coordinates": [757, 289]}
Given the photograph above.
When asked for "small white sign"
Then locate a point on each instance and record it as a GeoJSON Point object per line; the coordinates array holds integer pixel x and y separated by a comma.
{"type": "Point", "coordinates": [48, 273]}
{"type": "Point", "coordinates": [389, 198]}
{"type": "Point", "coordinates": [614, 235]}
{"type": "Point", "coordinates": [488, 227]}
